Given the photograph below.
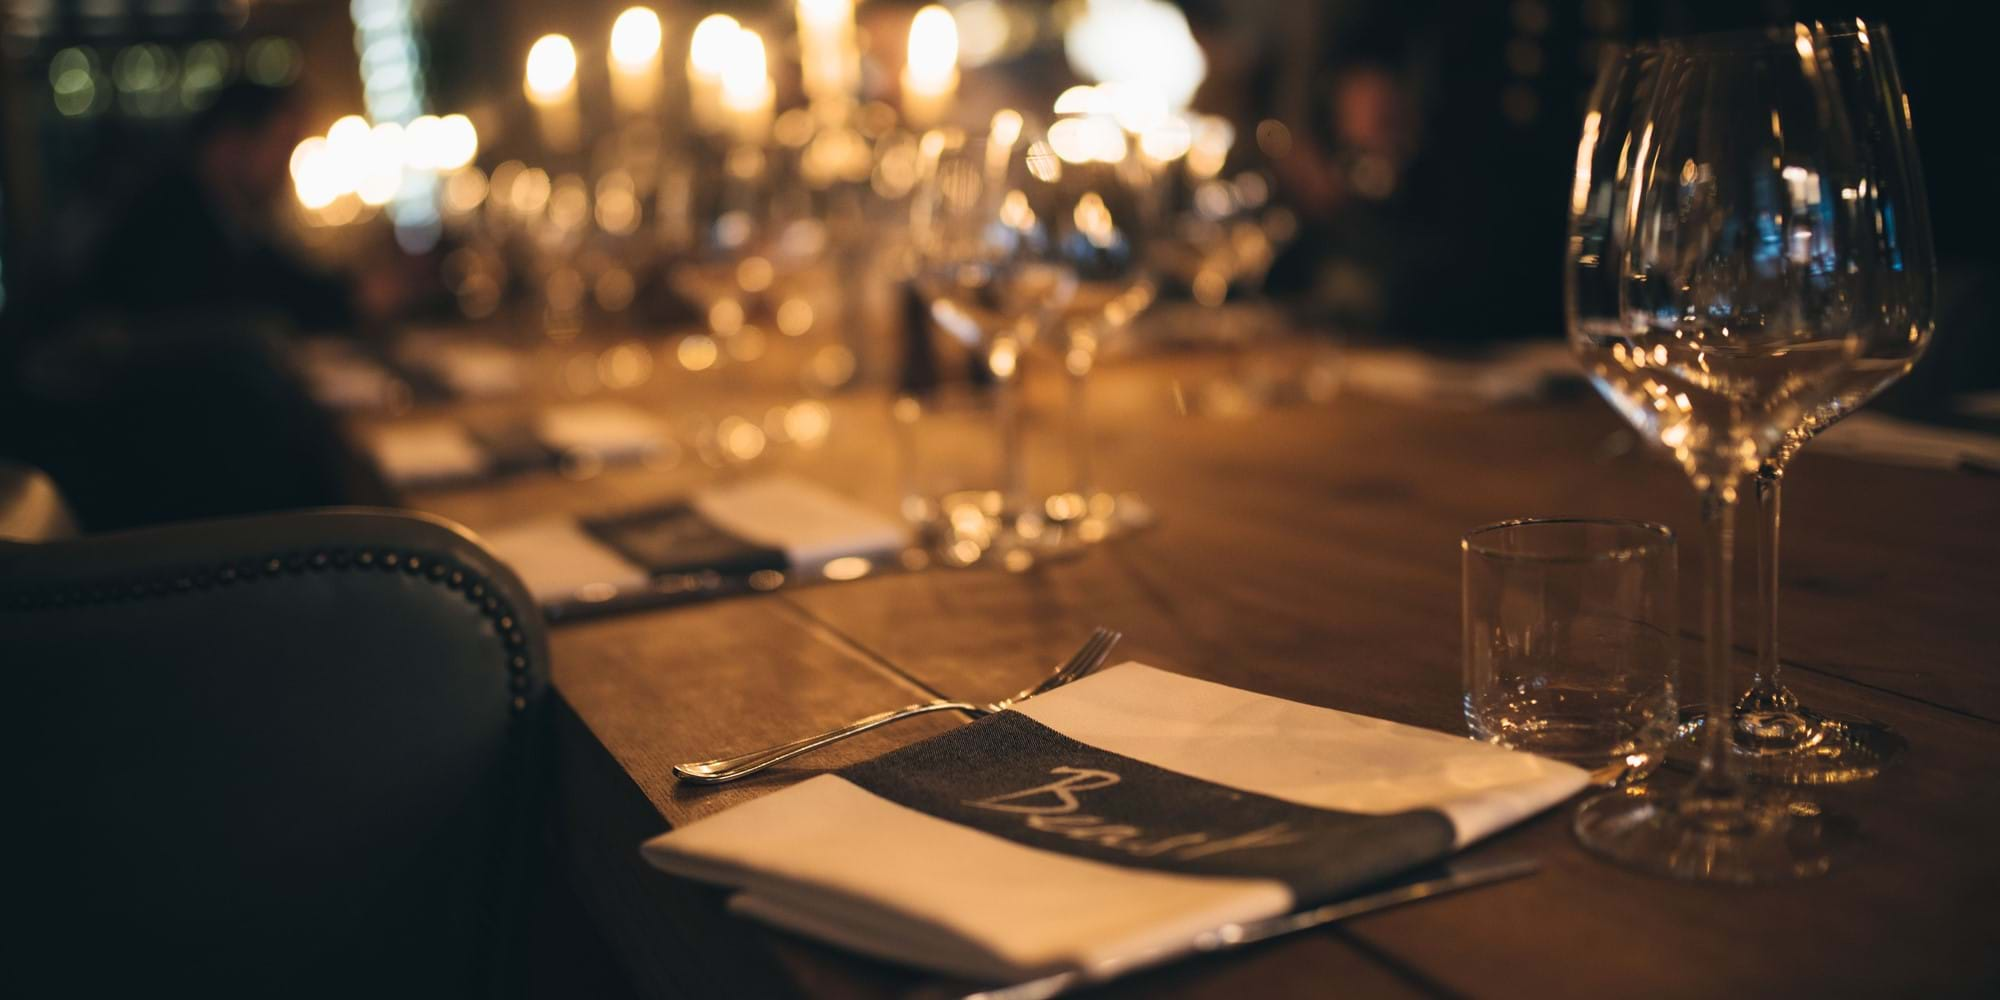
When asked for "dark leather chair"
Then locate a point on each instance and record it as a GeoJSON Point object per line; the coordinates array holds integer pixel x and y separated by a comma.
{"type": "Point", "coordinates": [278, 756]}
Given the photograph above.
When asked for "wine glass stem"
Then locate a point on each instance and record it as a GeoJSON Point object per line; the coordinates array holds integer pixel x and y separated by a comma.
{"type": "Point", "coordinates": [1765, 681]}
{"type": "Point", "coordinates": [1718, 516]}
{"type": "Point", "coordinates": [1079, 425]}
{"type": "Point", "coordinates": [1003, 360]}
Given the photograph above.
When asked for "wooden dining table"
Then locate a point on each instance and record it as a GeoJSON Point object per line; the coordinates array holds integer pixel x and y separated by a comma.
{"type": "Point", "coordinates": [1310, 552]}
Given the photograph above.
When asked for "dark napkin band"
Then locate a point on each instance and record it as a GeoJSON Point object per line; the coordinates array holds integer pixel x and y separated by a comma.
{"type": "Point", "coordinates": [1012, 777]}
{"type": "Point", "coordinates": [674, 538]}
{"type": "Point", "coordinates": [512, 447]}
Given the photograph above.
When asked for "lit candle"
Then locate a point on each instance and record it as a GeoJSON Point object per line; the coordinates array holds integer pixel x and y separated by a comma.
{"type": "Point", "coordinates": [747, 93]}
{"type": "Point", "coordinates": [550, 83]}
{"type": "Point", "coordinates": [829, 59]}
{"type": "Point", "coordinates": [930, 74]}
{"type": "Point", "coordinates": [709, 50]}
{"type": "Point", "coordinates": [635, 60]}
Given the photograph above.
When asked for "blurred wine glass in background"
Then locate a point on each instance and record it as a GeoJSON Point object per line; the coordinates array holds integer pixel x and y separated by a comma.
{"type": "Point", "coordinates": [988, 224]}
{"type": "Point", "coordinates": [1106, 196]}
{"type": "Point", "coordinates": [1225, 225]}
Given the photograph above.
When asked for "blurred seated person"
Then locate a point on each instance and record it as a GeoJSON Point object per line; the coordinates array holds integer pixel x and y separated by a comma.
{"type": "Point", "coordinates": [153, 383]}
{"type": "Point", "coordinates": [203, 233]}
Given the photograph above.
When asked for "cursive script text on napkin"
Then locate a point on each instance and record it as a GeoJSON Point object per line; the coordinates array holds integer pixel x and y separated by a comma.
{"type": "Point", "coordinates": [1052, 808]}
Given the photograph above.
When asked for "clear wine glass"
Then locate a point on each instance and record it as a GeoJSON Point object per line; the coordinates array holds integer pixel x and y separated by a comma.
{"type": "Point", "coordinates": [1107, 199]}
{"type": "Point", "coordinates": [733, 220]}
{"type": "Point", "coordinates": [1778, 738]}
{"type": "Point", "coordinates": [986, 224]}
{"type": "Point", "coordinates": [1719, 290]}
{"type": "Point", "coordinates": [1224, 227]}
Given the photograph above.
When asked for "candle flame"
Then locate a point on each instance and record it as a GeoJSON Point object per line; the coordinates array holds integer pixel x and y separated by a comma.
{"type": "Point", "coordinates": [745, 83]}
{"type": "Point", "coordinates": [713, 43]}
{"type": "Point", "coordinates": [635, 38]}
{"type": "Point", "coordinates": [551, 68]}
{"type": "Point", "coordinates": [933, 52]}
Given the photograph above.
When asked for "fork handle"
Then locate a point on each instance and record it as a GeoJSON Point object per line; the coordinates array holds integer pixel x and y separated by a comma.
{"type": "Point", "coordinates": [721, 769]}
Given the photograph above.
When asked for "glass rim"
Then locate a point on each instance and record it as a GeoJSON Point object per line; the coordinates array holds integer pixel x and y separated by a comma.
{"type": "Point", "coordinates": [1771, 34]}
{"type": "Point", "coordinates": [1657, 537]}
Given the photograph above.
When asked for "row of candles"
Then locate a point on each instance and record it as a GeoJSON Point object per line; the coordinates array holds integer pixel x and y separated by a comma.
{"type": "Point", "coordinates": [729, 86]}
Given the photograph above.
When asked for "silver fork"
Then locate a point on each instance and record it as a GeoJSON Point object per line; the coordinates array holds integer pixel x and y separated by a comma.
{"type": "Point", "coordinates": [721, 769]}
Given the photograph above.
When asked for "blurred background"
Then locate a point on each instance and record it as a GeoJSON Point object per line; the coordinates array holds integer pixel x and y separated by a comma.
{"type": "Point", "coordinates": [189, 188]}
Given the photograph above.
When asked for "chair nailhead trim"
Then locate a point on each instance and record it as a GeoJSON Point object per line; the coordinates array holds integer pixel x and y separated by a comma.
{"type": "Point", "coordinates": [451, 577]}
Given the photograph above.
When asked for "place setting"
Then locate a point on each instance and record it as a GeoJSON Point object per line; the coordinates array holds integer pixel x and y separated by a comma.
{"type": "Point", "coordinates": [1105, 821]}
{"type": "Point", "coordinates": [999, 500]}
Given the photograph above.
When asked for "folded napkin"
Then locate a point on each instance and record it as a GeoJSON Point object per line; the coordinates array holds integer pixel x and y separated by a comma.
{"type": "Point", "coordinates": [424, 453]}
{"type": "Point", "coordinates": [1525, 372]}
{"type": "Point", "coordinates": [427, 453]}
{"type": "Point", "coordinates": [608, 431]}
{"type": "Point", "coordinates": [1872, 437]}
{"type": "Point", "coordinates": [724, 533]}
{"type": "Point", "coordinates": [471, 369]}
{"type": "Point", "coordinates": [342, 376]}
{"type": "Point", "coordinates": [1104, 824]}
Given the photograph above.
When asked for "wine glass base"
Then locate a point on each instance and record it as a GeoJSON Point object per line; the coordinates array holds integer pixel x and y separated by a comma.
{"type": "Point", "coordinates": [973, 528]}
{"type": "Point", "coordinates": [1074, 521]}
{"type": "Point", "coordinates": [1743, 839]}
{"type": "Point", "coordinates": [1799, 747]}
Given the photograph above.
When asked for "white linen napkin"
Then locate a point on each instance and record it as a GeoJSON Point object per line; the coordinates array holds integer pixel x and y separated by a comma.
{"type": "Point", "coordinates": [472, 369]}
{"type": "Point", "coordinates": [341, 376]}
{"type": "Point", "coordinates": [1872, 437]}
{"type": "Point", "coordinates": [775, 522]}
{"type": "Point", "coordinates": [1520, 373]}
{"type": "Point", "coordinates": [1104, 824]}
{"type": "Point", "coordinates": [610, 431]}
{"type": "Point", "coordinates": [426, 453]}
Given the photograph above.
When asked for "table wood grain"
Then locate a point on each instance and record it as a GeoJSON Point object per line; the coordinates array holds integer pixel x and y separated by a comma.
{"type": "Point", "coordinates": [1311, 553]}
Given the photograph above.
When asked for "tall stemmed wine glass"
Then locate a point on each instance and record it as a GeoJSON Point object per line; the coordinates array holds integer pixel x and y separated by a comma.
{"type": "Point", "coordinates": [986, 224]}
{"type": "Point", "coordinates": [1777, 738]}
{"type": "Point", "coordinates": [1719, 290]}
{"type": "Point", "coordinates": [1108, 197]}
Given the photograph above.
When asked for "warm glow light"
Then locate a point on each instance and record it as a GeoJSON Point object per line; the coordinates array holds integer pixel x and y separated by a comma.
{"type": "Point", "coordinates": [825, 13]}
{"type": "Point", "coordinates": [316, 175]}
{"type": "Point", "coordinates": [983, 31]}
{"type": "Point", "coordinates": [423, 142]}
{"type": "Point", "coordinates": [551, 69]}
{"type": "Point", "coordinates": [1141, 43]}
{"type": "Point", "coordinates": [635, 38]}
{"type": "Point", "coordinates": [933, 51]}
{"type": "Point", "coordinates": [1579, 190]}
{"type": "Point", "coordinates": [1167, 141]}
{"type": "Point", "coordinates": [1137, 108]}
{"type": "Point", "coordinates": [1084, 140]}
{"type": "Point", "coordinates": [458, 143]}
{"type": "Point", "coordinates": [848, 568]}
{"type": "Point", "coordinates": [713, 42]}
{"type": "Point", "coordinates": [1093, 220]}
{"type": "Point", "coordinates": [746, 85]}
{"type": "Point", "coordinates": [347, 135]}
{"type": "Point", "coordinates": [1081, 99]}
{"type": "Point", "coordinates": [382, 171]}
{"type": "Point", "coordinates": [1208, 148]}
{"type": "Point", "coordinates": [1005, 129]}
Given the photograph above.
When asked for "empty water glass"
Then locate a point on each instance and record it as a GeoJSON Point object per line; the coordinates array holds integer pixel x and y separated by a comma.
{"type": "Point", "coordinates": [1571, 645]}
